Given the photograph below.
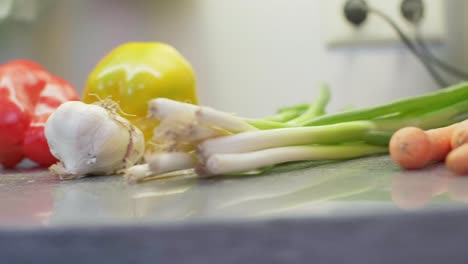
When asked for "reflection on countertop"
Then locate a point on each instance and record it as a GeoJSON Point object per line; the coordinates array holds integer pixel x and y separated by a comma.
{"type": "Point", "coordinates": [371, 185]}
{"type": "Point", "coordinates": [417, 189]}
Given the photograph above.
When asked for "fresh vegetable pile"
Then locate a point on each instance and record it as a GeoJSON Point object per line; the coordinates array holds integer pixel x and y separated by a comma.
{"type": "Point", "coordinates": [139, 118]}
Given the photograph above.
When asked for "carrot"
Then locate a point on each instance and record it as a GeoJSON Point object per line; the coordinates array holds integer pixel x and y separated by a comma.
{"type": "Point", "coordinates": [410, 147]}
{"type": "Point", "coordinates": [457, 160]}
{"type": "Point", "coordinates": [413, 148]}
{"type": "Point", "coordinates": [440, 141]}
{"type": "Point", "coordinates": [460, 134]}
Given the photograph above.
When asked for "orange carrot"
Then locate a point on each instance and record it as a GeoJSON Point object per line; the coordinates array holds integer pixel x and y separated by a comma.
{"type": "Point", "coordinates": [440, 141]}
{"type": "Point", "coordinates": [457, 160]}
{"type": "Point", "coordinates": [460, 134]}
{"type": "Point", "coordinates": [410, 147]}
{"type": "Point", "coordinates": [413, 148]}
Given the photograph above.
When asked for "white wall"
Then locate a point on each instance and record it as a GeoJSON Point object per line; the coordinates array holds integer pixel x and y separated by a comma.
{"type": "Point", "coordinates": [265, 53]}
{"type": "Point", "coordinates": [251, 56]}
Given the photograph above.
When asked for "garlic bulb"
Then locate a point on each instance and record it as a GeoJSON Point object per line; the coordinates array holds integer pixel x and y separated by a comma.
{"type": "Point", "coordinates": [92, 139]}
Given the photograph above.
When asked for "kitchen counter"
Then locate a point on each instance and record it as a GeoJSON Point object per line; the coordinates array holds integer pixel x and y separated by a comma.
{"type": "Point", "coordinates": [359, 211]}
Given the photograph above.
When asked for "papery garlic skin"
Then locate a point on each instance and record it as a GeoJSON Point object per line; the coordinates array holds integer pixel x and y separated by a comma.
{"type": "Point", "coordinates": [89, 139]}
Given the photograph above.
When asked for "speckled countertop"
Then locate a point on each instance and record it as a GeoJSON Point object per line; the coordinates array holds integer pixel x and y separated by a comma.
{"type": "Point", "coordinates": [363, 186]}
{"type": "Point", "coordinates": [367, 188]}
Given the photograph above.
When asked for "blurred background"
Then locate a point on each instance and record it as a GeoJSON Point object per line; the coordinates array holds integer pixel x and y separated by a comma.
{"type": "Point", "coordinates": [250, 56]}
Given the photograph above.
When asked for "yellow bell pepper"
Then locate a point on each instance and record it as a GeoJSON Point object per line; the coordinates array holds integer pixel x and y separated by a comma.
{"type": "Point", "coordinates": [134, 73]}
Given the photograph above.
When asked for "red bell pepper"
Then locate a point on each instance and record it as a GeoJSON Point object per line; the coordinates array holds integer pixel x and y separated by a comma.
{"type": "Point", "coordinates": [28, 95]}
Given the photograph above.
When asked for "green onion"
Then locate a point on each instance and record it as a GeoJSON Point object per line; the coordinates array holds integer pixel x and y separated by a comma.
{"type": "Point", "coordinates": [434, 100]}
{"type": "Point", "coordinates": [226, 144]}
{"type": "Point", "coordinates": [317, 108]}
